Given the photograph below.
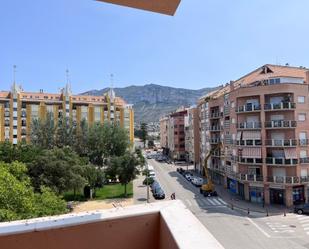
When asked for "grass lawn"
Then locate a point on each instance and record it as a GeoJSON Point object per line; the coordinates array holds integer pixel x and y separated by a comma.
{"type": "Point", "coordinates": [109, 191]}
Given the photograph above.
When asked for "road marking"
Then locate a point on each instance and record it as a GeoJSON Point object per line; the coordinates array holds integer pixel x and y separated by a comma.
{"type": "Point", "coordinates": [216, 201]}
{"type": "Point", "coordinates": [258, 227]}
{"type": "Point", "coordinates": [305, 225]}
{"type": "Point", "coordinates": [211, 201]}
{"type": "Point", "coordinates": [306, 228]}
{"type": "Point", "coordinates": [189, 203]}
{"type": "Point", "coordinates": [303, 218]}
{"type": "Point", "coordinates": [222, 201]}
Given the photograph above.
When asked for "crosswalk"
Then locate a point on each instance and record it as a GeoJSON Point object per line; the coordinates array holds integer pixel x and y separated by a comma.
{"type": "Point", "coordinates": [304, 222]}
{"type": "Point", "coordinates": [205, 202]}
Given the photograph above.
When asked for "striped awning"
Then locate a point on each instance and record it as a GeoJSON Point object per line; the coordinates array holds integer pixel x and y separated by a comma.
{"type": "Point", "coordinates": [290, 153]}
{"type": "Point", "coordinates": [251, 135]}
{"type": "Point", "coordinates": [251, 153]}
{"type": "Point", "coordinates": [238, 135]}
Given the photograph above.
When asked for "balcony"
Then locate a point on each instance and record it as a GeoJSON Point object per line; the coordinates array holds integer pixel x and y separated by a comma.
{"type": "Point", "coordinates": [280, 124]}
{"type": "Point", "coordinates": [215, 128]}
{"type": "Point", "coordinates": [226, 110]}
{"type": "Point", "coordinates": [215, 140]}
{"type": "Point", "coordinates": [304, 160]}
{"type": "Point", "coordinates": [288, 179]}
{"type": "Point", "coordinates": [280, 106]}
{"type": "Point", "coordinates": [248, 108]}
{"type": "Point", "coordinates": [281, 142]}
{"type": "Point", "coordinates": [215, 115]}
{"type": "Point", "coordinates": [303, 142]}
{"type": "Point", "coordinates": [246, 160]}
{"type": "Point", "coordinates": [248, 142]}
{"type": "Point", "coordinates": [250, 178]}
{"type": "Point", "coordinates": [280, 161]}
{"type": "Point", "coordinates": [249, 125]}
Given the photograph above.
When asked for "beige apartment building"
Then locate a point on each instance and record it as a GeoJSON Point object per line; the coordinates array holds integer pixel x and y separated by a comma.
{"type": "Point", "coordinates": [18, 108]}
{"type": "Point", "coordinates": [262, 121]}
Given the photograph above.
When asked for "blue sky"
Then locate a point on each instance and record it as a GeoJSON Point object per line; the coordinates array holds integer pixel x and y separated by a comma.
{"type": "Point", "coordinates": [207, 42]}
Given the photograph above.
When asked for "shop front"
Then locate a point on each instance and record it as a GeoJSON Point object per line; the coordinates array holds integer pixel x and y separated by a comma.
{"type": "Point", "coordinates": [232, 185]}
{"type": "Point", "coordinates": [241, 190]}
{"type": "Point", "coordinates": [277, 196]}
{"type": "Point", "coordinates": [298, 195]}
{"type": "Point", "coordinates": [256, 194]}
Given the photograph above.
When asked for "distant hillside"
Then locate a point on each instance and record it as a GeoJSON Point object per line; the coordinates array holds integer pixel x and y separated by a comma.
{"type": "Point", "coordinates": [153, 101]}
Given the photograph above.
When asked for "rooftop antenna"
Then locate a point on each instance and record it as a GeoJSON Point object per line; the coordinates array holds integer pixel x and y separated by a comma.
{"type": "Point", "coordinates": [14, 73]}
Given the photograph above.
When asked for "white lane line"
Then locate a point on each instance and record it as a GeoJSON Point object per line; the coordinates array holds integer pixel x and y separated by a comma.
{"type": "Point", "coordinates": [303, 218]}
{"type": "Point", "coordinates": [222, 201]}
{"type": "Point", "coordinates": [306, 228]}
{"type": "Point", "coordinates": [305, 225]}
{"type": "Point", "coordinates": [258, 227]}
{"type": "Point", "coordinates": [303, 221]}
{"type": "Point", "coordinates": [307, 232]}
{"type": "Point", "coordinates": [217, 202]}
{"type": "Point", "coordinates": [211, 201]}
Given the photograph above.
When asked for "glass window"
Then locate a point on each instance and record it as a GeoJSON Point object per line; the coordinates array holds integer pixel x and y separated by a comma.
{"type": "Point", "coordinates": [301, 117]}
{"type": "Point", "coordinates": [301, 99]}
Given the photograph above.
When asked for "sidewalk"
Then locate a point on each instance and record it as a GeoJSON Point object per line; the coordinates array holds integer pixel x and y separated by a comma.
{"type": "Point", "coordinates": [237, 202]}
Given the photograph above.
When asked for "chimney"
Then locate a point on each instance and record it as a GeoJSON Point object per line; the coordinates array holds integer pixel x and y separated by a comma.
{"type": "Point", "coordinates": [232, 85]}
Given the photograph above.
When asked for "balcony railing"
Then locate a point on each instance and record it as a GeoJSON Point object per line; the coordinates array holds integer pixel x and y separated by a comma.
{"type": "Point", "coordinates": [214, 140]}
{"type": "Point", "coordinates": [250, 160]}
{"type": "Point", "coordinates": [215, 115]}
{"type": "Point", "coordinates": [249, 125]}
{"type": "Point", "coordinates": [288, 179]}
{"type": "Point", "coordinates": [226, 110]}
{"type": "Point", "coordinates": [280, 106]}
{"type": "Point", "coordinates": [251, 178]}
{"type": "Point", "coordinates": [248, 142]}
{"type": "Point", "coordinates": [281, 142]}
{"type": "Point", "coordinates": [281, 161]}
{"type": "Point", "coordinates": [215, 128]}
{"type": "Point", "coordinates": [248, 108]}
{"type": "Point", "coordinates": [304, 160]}
{"type": "Point", "coordinates": [281, 124]}
{"type": "Point", "coordinates": [303, 142]}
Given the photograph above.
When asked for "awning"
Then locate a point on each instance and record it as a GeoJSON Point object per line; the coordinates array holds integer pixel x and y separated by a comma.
{"type": "Point", "coordinates": [251, 135]}
{"type": "Point", "coordinates": [251, 153]}
{"type": "Point", "coordinates": [290, 153]}
{"type": "Point", "coordinates": [238, 135]}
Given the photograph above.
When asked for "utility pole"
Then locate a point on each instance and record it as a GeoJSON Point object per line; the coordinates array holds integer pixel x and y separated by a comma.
{"type": "Point", "coordinates": [147, 182]}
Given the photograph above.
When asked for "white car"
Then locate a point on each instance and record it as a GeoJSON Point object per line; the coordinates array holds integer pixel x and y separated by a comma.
{"type": "Point", "coordinates": [152, 174]}
{"type": "Point", "coordinates": [197, 181]}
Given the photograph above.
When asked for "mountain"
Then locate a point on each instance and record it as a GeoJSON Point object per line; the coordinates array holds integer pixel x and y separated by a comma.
{"type": "Point", "coordinates": [153, 101]}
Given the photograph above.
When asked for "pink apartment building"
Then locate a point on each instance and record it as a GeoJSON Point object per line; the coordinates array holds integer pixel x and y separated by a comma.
{"type": "Point", "coordinates": [262, 120]}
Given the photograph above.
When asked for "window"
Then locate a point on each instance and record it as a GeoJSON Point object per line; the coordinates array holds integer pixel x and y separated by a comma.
{"type": "Point", "coordinates": [232, 104]}
{"type": "Point", "coordinates": [301, 99]}
{"type": "Point", "coordinates": [301, 117]}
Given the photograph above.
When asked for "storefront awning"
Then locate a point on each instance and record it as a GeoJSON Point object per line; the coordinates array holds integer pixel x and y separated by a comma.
{"type": "Point", "coordinates": [238, 135]}
{"type": "Point", "coordinates": [290, 153]}
{"type": "Point", "coordinates": [251, 135]}
{"type": "Point", "coordinates": [251, 153]}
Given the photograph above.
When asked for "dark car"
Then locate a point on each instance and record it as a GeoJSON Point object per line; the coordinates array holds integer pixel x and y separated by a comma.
{"type": "Point", "coordinates": [159, 194]}
{"type": "Point", "coordinates": [302, 209]}
{"type": "Point", "coordinates": [154, 186]}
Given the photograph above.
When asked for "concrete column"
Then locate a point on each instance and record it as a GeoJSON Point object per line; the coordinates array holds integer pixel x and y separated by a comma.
{"type": "Point", "coordinates": [288, 196]}
{"type": "Point", "coordinates": [247, 192]}
{"type": "Point", "coordinates": [266, 194]}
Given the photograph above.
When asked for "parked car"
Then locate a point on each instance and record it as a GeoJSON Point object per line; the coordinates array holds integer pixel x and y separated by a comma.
{"type": "Point", "coordinates": [154, 185]}
{"type": "Point", "coordinates": [302, 209]}
{"type": "Point", "coordinates": [152, 174]}
{"type": "Point", "coordinates": [156, 189]}
{"type": "Point", "coordinates": [188, 176]}
{"type": "Point", "coordinates": [159, 194]}
{"type": "Point", "coordinates": [197, 181]}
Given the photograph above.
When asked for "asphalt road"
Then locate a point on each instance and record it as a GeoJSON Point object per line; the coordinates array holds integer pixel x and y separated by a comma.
{"type": "Point", "coordinates": [232, 228]}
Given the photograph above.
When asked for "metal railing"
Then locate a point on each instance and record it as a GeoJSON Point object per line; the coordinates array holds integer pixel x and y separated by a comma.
{"type": "Point", "coordinates": [288, 179]}
{"type": "Point", "coordinates": [215, 115]}
{"type": "Point", "coordinates": [281, 124]}
{"type": "Point", "coordinates": [248, 108]}
{"type": "Point", "coordinates": [303, 142]}
{"type": "Point", "coordinates": [215, 140]}
{"type": "Point", "coordinates": [280, 161]}
{"type": "Point", "coordinates": [281, 142]}
{"type": "Point", "coordinates": [215, 128]}
{"type": "Point", "coordinates": [304, 160]}
{"type": "Point", "coordinates": [249, 125]}
{"type": "Point", "coordinates": [248, 142]}
{"type": "Point", "coordinates": [250, 160]}
{"type": "Point", "coordinates": [280, 106]}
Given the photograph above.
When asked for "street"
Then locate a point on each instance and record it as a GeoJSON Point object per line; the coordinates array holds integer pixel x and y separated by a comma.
{"type": "Point", "coordinates": [234, 229]}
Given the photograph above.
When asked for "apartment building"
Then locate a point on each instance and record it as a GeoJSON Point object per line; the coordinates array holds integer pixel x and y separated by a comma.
{"type": "Point", "coordinates": [192, 136]}
{"type": "Point", "coordinates": [262, 121]}
{"type": "Point", "coordinates": [172, 138]}
{"type": "Point", "coordinates": [18, 108]}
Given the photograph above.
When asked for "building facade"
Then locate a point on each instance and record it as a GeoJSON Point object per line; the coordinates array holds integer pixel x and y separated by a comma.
{"type": "Point", "coordinates": [18, 108]}
{"type": "Point", "coordinates": [262, 124]}
{"type": "Point", "coordinates": [192, 136]}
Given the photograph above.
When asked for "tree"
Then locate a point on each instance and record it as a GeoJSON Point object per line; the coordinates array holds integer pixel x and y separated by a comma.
{"type": "Point", "coordinates": [64, 132]}
{"type": "Point", "coordinates": [43, 132]}
{"type": "Point", "coordinates": [144, 133]}
{"type": "Point", "coordinates": [59, 168]}
{"type": "Point", "coordinates": [17, 198]}
{"type": "Point", "coordinates": [125, 167]}
{"type": "Point", "coordinates": [80, 138]}
{"type": "Point", "coordinates": [150, 144]}
{"type": "Point", "coordinates": [94, 176]}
